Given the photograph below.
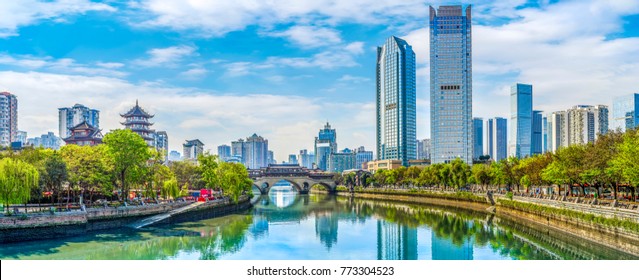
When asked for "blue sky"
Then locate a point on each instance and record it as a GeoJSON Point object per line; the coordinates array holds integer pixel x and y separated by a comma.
{"type": "Point", "coordinates": [223, 70]}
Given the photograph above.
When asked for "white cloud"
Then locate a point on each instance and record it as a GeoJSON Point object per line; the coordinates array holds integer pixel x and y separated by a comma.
{"type": "Point", "coordinates": [14, 14]}
{"type": "Point", "coordinates": [216, 18]}
{"type": "Point", "coordinates": [194, 73]}
{"type": "Point", "coordinates": [353, 79]}
{"type": "Point", "coordinates": [62, 65]}
{"type": "Point", "coordinates": [166, 57]}
{"type": "Point", "coordinates": [309, 36]}
{"type": "Point", "coordinates": [288, 122]}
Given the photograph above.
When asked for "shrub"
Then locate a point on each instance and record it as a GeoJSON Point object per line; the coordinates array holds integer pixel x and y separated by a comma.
{"type": "Point", "coordinates": [509, 195]}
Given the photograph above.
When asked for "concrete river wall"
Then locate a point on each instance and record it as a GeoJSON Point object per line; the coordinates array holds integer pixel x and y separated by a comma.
{"type": "Point", "coordinates": [64, 224]}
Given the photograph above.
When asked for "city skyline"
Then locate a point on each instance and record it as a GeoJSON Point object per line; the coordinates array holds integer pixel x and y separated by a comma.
{"type": "Point", "coordinates": [306, 62]}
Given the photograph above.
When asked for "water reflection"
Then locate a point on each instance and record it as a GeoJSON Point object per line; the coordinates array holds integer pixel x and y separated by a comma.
{"type": "Point", "coordinates": [291, 226]}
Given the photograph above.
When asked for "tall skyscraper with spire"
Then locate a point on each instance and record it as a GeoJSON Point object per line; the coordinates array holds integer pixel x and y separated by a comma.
{"type": "Point", "coordinates": [451, 92]}
{"type": "Point", "coordinates": [396, 101]}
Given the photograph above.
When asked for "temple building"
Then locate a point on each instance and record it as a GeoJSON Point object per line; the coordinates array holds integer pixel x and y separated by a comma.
{"type": "Point", "coordinates": [137, 120]}
{"type": "Point", "coordinates": [84, 134]}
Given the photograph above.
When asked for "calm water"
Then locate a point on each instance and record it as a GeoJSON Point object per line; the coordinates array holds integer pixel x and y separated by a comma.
{"type": "Point", "coordinates": [284, 225]}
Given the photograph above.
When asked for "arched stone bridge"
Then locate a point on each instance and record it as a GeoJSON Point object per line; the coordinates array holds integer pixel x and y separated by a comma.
{"type": "Point", "coordinates": [300, 177]}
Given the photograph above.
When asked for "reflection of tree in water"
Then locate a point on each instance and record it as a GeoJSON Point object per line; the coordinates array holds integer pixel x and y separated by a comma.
{"type": "Point", "coordinates": [209, 242]}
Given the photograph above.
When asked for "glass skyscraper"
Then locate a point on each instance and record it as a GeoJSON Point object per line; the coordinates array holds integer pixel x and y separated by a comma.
{"type": "Point", "coordinates": [72, 116]}
{"type": "Point", "coordinates": [451, 91]}
{"type": "Point", "coordinates": [521, 114]}
{"type": "Point", "coordinates": [478, 137]}
{"type": "Point", "coordinates": [537, 146]}
{"type": "Point", "coordinates": [325, 144]}
{"type": "Point", "coordinates": [396, 101]}
{"type": "Point", "coordinates": [625, 112]}
{"type": "Point", "coordinates": [496, 138]}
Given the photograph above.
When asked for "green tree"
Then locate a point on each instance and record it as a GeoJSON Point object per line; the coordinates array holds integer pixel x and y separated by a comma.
{"type": "Point", "coordinates": [170, 189]}
{"type": "Point", "coordinates": [566, 167]}
{"type": "Point", "coordinates": [627, 158]}
{"type": "Point", "coordinates": [54, 174]}
{"type": "Point", "coordinates": [481, 173]}
{"type": "Point", "coordinates": [129, 153]}
{"type": "Point", "coordinates": [234, 180]}
{"type": "Point", "coordinates": [17, 178]}
{"type": "Point", "coordinates": [187, 172]}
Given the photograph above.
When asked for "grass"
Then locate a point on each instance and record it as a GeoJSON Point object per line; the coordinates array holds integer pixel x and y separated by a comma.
{"type": "Point", "coordinates": [626, 224]}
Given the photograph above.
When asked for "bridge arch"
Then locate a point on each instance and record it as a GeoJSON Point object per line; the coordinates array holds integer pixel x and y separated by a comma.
{"type": "Point", "coordinates": [300, 177]}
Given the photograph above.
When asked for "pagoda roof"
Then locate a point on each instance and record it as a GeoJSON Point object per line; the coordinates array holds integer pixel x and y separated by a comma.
{"type": "Point", "coordinates": [137, 111]}
{"type": "Point", "coordinates": [136, 122]}
{"type": "Point", "coordinates": [94, 134]}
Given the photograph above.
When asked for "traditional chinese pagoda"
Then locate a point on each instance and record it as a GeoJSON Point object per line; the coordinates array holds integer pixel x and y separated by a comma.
{"type": "Point", "coordinates": [137, 120]}
{"type": "Point", "coordinates": [84, 134]}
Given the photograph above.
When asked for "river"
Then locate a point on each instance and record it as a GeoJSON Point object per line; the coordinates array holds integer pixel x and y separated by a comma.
{"type": "Point", "coordinates": [285, 225]}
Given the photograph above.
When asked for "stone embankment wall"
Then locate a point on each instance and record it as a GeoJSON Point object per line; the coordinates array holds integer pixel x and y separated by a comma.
{"type": "Point", "coordinates": [64, 224]}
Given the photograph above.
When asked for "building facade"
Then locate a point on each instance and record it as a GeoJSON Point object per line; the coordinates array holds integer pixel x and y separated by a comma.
{"type": "Point", "coordinates": [478, 137]}
{"type": "Point", "coordinates": [175, 156]}
{"type": "Point", "coordinates": [162, 144]}
{"type": "Point", "coordinates": [306, 159]}
{"type": "Point", "coordinates": [253, 151]}
{"type": "Point", "coordinates": [625, 112]}
{"type": "Point", "coordinates": [21, 137]}
{"type": "Point", "coordinates": [396, 101]}
{"type": "Point", "coordinates": [497, 138]}
{"type": "Point", "coordinates": [362, 156]}
{"type": "Point", "coordinates": [223, 151]}
{"type": "Point", "coordinates": [451, 91]}
{"type": "Point", "coordinates": [292, 159]}
{"type": "Point", "coordinates": [325, 144]}
{"type": "Point", "coordinates": [69, 117]}
{"type": "Point", "coordinates": [423, 149]}
{"type": "Point", "coordinates": [8, 118]}
{"type": "Point", "coordinates": [521, 113]}
{"type": "Point", "coordinates": [137, 120]}
{"type": "Point", "coordinates": [537, 143]}
{"type": "Point", "coordinates": [343, 160]}
{"type": "Point", "coordinates": [47, 141]}
{"type": "Point", "coordinates": [191, 149]}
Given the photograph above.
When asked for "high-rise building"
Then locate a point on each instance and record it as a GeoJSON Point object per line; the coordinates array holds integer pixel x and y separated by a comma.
{"type": "Point", "coordinates": [537, 144]}
{"type": "Point", "coordinates": [423, 149]}
{"type": "Point", "coordinates": [71, 116]}
{"type": "Point", "coordinates": [362, 156]}
{"type": "Point", "coordinates": [292, 159]}
{"type": "Point", "coordinates": [305, 159]}
{"type": "Point", "coordinates": [137, 120]}
{"type": "Point", "coordinates": [21, 137]}
{"type": "Point", "coordinates": [601, 117]}
{"type": "Point", "coordinates": [47, 141]}
{"type": "Point", "coordinates": [162, 144]}
{"type": "Point", "coordinates": [625, 112]}
{"type": "Point", "coordinates": [8, 118]}
{"type": "Point", "coordinates": [325, 144]}
{"type": "Point", "coordinates": [580, 124]}
{"type": "Point", "coordinates": [254, 153]}
{"type": "Point", "coordinates": [521, 113]}
{"type": "Point", "coordinates": [544, 134]}
{"type": "Point", "coordinates": [497, 138]}
{"type": "Point", "coordinates": [192, 149]}
{"type": "Point", "coordinates": [236, 149]}
{"type": "Point", "coordinates": [223, 151]}
{"type": "Point", "coordinates": [270, 158]}
{"type": "Point", "coordinates": [451, 93]}
{"type": "Point", "coordinates": [478, 137]}
{"type": "Point", "coordinates": [557, 130]}
{"type": "Point", "coordinates": [340, 161]}
{"type": "Point", "coordinates": [396, 101]}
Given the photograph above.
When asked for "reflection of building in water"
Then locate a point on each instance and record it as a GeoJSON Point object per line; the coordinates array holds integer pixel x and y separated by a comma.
{"type": "Point", "coordinates": [259, 227]}
{"type": "Point", "coordinates": [326, 228]}
{"type": "Point", "coordinates": [444, 249]}
{"type": "Point", "coordinates": [396, 242]}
